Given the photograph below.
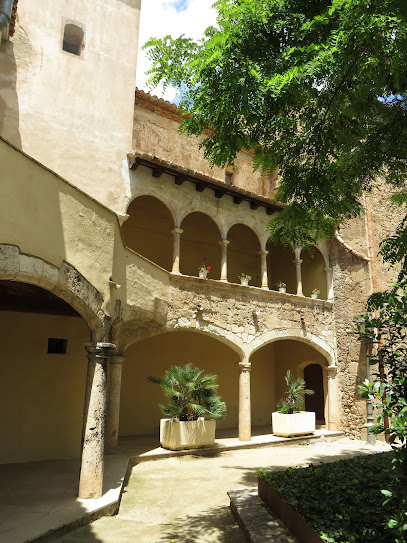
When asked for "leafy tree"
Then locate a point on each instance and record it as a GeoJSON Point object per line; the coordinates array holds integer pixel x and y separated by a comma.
{"type": "Point", "coordinates": [316, 89]}
{"type": "Point", "coordinates": [385, 328]}
{"type": "Point", "coordinates": [190, 394]}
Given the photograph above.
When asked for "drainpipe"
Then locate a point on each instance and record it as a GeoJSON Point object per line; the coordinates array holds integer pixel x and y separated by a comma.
{"type": "Point", "coordinates": [6, 7]}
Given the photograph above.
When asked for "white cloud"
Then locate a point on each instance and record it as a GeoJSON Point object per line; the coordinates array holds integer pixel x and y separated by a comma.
{"type": "Point", "coordinates": [160, 18]}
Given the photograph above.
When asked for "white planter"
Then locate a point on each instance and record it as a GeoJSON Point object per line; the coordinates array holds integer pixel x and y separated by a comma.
{"type": "Point", "coordinates": [176, 435]}
{"type": "Point", "coordinates": [296, 424]}
{"type": "Point", "coordinates": [282, 289]}
{"type": "Point", "coordinates": [244, 282]}
{"type": "Point", "coordinates": [202, 274]}
{"type": "Point", "coordinates": [314, 296]}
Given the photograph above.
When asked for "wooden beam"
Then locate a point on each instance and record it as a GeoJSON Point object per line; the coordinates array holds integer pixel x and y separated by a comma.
{"type": "Point", "coordinates": [199, 187]}
{"type": "Point", "coordinates": [237, 199]}
{"type": "Point", "coordinates": [156, 172]}
{"type": "Point", "coordinates": [254, 205]}
{"type": "Point", "coordinates": [219, 193]}
{"type": "Point", "coordinates": [178, 180]}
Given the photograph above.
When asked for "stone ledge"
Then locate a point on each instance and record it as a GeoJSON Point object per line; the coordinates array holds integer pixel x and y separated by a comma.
{"type": "Point", "coordinates": [257, 522]}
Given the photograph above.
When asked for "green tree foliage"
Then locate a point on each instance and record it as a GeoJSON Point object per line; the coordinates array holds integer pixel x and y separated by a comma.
{"type": "Point", "coordinates": [385, 328]}
{"type": "Point", "coordinates": [190, 394]}
{"type": "Point", "coordinates": [317, 89]}
{"type": "Point", "coordinates": [296, 390]}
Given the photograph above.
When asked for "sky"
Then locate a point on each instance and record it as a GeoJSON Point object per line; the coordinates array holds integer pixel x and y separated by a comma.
{"type": "Point", "coordinates": [175, 17]}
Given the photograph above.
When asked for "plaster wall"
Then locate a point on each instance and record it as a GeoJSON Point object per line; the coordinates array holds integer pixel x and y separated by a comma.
{"type": "Point", "coordinates": [263, 381]}
{"type": "Point", "coordinates": [42, 395]}
{"type": "Point", "coordinates": [81, 106]}
{"type": "Point", "coordinates": [139, 412]}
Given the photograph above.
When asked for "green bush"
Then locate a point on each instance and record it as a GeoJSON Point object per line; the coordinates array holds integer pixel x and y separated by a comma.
{"type": "Point", "coordinates": [341, 500]}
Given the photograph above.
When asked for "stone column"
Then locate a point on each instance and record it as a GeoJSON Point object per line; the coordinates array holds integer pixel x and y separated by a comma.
{"type": "Point", "coordinates": [263, 269]}
{"type": "Point", "coordinates": [91, 475]}
{"type": "Point", "coordinates": [298, 263]}
{"type": "Point", "coordinates": [329, 283]}
{"type": "Point", "coordinates": [333, 406]}
{"type": "Point", "coordinates": [176, 251]}
{"type": "Point", "coordinates": [114, 381]}
{"type": "Point", "coordinates": [224, 260]}
{"type": "Point", "coordinates": [245, 419]}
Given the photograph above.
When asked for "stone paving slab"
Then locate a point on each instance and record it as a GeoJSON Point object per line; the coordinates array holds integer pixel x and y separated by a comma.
{"type": "Point", "coordinates": [257, 522]}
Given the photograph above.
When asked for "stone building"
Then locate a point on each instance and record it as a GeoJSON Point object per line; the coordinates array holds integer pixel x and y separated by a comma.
{"type": "Point", "coordinates": [107, 212]}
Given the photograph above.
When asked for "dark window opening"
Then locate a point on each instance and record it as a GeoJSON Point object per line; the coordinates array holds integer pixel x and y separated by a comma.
{"type": "Point", "coordinates": [57, 345]}
{"type": "Point", "coordinates": [228, 178]}
{"type": "Point", "coordinates": [73, 39]}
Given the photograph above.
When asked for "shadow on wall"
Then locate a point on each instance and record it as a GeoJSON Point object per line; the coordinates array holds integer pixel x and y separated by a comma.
{"type": "Point", "coordinates": [11, 52]}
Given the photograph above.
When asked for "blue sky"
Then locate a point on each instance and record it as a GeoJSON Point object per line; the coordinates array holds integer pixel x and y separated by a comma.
{"type": "Point", "coordinates": [175, 17]}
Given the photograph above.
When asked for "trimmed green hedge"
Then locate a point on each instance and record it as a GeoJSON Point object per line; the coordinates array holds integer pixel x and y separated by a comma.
{"type": "Point", "coordinates": [341, 500]}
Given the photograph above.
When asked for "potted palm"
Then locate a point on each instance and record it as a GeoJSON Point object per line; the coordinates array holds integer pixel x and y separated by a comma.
{"type": "Point", "coordinates": [289, 420]}
{"type": "Point", "coordinates": [192, 408]}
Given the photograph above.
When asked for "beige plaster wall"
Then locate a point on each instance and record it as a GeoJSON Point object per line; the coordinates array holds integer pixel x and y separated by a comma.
{"type": "Point", "coordinates": [263, 382]}
{"type": "Point", "coordinates": [42, 395]}
{"type": "Point", "coordinates": [312, 273]}
{"type": "Point", "coordinates": [158, 135]}
{"type": "Point", "coordinates": [139, 411]}
{"type": "Point", "coordinates": [73, 113]}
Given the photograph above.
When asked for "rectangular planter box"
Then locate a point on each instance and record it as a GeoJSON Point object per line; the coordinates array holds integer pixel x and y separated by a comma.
{"type": "Point", "coordinates": [296, 424]}
{"type": "Point", "coordinates": [178, 435]}
{"type": "Point", "coordinates": [300, 529]}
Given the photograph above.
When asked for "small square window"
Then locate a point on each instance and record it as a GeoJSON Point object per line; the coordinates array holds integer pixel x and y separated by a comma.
{"type": "Point", "coordinates": [72, 41]}
{"type": "Point", "coordinates": [57, 345]}
{"type": "Point", "coordinates": [228, 178]}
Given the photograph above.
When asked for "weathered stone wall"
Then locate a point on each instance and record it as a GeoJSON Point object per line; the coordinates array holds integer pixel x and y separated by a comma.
{"type": "Point", "coordinates": [156, 132]}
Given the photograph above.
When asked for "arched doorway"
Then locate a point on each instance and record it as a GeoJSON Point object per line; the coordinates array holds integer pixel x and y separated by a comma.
{"type": "Point", "coordinates": [43, 368]}
{"type": "Point", "coordinates": [314, 379]}
{"type": "Point", "coordinates": [243, 254]}
{"type": "Point", "coordinates": [139, 411]}
{"type": "Point", "coordinates": [200, 240]}
{"type": "Point", "coordinates": [148, 230]}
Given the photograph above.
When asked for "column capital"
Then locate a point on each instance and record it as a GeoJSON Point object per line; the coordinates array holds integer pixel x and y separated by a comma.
{"type": "Point", "coordinates": [297, 261]}
{"type": "Point", "coordinates": [331, 371]}
{"type": "Point", "coordinates": [224, 242]}
{"type": "Point", "coordinates": [245, 366]}
{"type": "Point", "coordinates": [327, 269]}
{"type": "Point", "coordinates": [176, 231]}
{"type": "Point", "coordinates": [99, 349]}
{"type": "Point", "coordinates": [116, 359]}
{"type": "Point", "coordinates": [263, 253]}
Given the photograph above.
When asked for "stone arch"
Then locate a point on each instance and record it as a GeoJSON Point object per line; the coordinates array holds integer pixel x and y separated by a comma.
{"type": "Point", "coordinates": [327, 350]}
{"type": "Point", "coordinates": [254, 226]}
{"type": "Point", "coordinates": [159, 197]}
{"type": "Point", "coordinates": [139, 413]}
{"type": "Point", "coordinates": [65, 282]}
{"type": "Point", "coordinates": [200, 240]}
{"type": "Point", "coordinates": [148, 230]}
{"type": "Point", "coordinates": [243, 253]}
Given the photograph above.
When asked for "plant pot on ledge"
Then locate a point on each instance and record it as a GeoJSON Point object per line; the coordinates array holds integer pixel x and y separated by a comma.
{"type": "Point", "coordinates": [176, 435]}
{"type": "Point", "coordinates": [293, 424]}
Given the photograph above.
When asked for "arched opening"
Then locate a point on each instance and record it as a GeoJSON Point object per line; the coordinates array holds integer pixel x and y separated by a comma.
{"type": "Point", "coordinates": [148, 230]}
{"type": "Point", "coordinates": [270, 364]}
{"type": "Point", "coordinates": [281, 267]}
{"type": "Point", "coordinates": [199, 241]}
{"type": "Point", "coordinates": [312, 272]}
{"type": "Point", "coordinates": [243, 256]}
{"type": "Point", "coordinates": [139, 411]}
{"type": "Point", "coordinates": [314, 378]}
{"type": "Point", "coordinates": [43, 368]}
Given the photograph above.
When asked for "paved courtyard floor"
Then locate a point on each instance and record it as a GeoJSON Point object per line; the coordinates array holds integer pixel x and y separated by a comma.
{"type": "Point", "coordinates": [183, 499]}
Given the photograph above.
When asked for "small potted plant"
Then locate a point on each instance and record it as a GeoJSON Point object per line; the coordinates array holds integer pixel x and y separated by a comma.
{"type": "Point", "coordinates": [192, 408]}
{"type": "Point", "coordinates": [203, 269]}
{"type": "Point", "coordinates": [282, 287]}
{"type": "Point", "coordinates": [244, 279]}
{"type": "Point", "coordinates": [315, 292]}
{"type": "Point", "coordinates": [289, 420]}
